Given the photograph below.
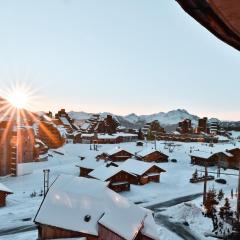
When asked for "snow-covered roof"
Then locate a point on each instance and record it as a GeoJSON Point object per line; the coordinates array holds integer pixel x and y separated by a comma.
{"type": "Point", "coordinates": [122, 134]}
{"type": "Point", "coordinates": [176, 133]}
{"type": "Point", "coordinates": [201, 154]}
{"type": "Point", "coordinates": [70, 199]}
{"type": "Point", "coordinates": [150, 229]}
{"type": "Point", "coordinates": [37, 140]}
{"type": "Point", "coordinates": [90, 163]}
{"type": "Point", "coordinates": [43, 156]}
{"type": "Point", "coordinates": [65, 121]}
{"type": "Point", "coordinates": [76, 133]}
{"type": "Point", "coordinates": [136, 167]}
{"type": "Point", "coordinates": [116, 150]}
{"type": "Point", "coordinates": [227, 154]}
{"type": "Point", "coordinates": [62, 130]}
{"type": "Point", "coordinates": [232, 148]}
{"type": "Point", "coordinates": [106, 136]}
{"type": "Point", "coordinates": [147, 151]}
{"type": "Point", "coordinates": [206, 155]}
{"type": "Point", "coordinates": [222, 138]}
{"type": "Point", "coordinates": [85, 126]}
{"type": "Point", "coordinates": [88, 135]}
{"type": "Point", "coordinates": [4, 188]}
{"type": "Point", "coordinates": [104, 172]}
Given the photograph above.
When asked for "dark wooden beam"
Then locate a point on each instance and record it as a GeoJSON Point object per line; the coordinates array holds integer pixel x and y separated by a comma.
{"type": "Point", "coordinates": [212, 18]}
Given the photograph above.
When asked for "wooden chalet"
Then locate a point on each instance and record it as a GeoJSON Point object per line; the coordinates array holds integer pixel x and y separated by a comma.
{"type": "Point", "coordinates": [116, 155]}
{"type": "Point", "coordinates": [106, 139]}
{"type": "Point", "coordinates": [6, 160]}
{"type": "Point", "coordinates": [144, 171]}
{"type": "Point", "coordinates": [17, 147]}
{"type": "Point", "coordinates": [82, 207]}
{"type": "Point", "coordinates": [118, 179]}
{"type": "Point", "coordinates": [62, 118]}
{"type": "Point", "coordinates": [210, 159]}
{"type": "Point", "coordinates": [152, 155]}
{"type": "Point", "coordinates": [4, 192]}
{"type": "Point", "coordinates": [234, 161]}
{"type": "Point", "coordinates": [103, 138]}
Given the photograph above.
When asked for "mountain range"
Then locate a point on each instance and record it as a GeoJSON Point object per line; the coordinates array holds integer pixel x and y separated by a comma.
{"type": "Point", "coordinates": [168, 120]}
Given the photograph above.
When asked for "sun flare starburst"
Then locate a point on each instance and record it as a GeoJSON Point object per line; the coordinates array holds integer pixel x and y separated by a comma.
{"type": "Point", "coordinates": [18, 98]}
{"type": "Point", "coordinates": [20, 95]}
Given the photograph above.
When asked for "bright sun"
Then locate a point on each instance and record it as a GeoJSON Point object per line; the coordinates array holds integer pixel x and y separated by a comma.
{"type": "Point", "coordinates": [18, 99]}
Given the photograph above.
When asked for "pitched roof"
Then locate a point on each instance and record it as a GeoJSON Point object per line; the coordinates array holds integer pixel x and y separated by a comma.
{"type": "Point", "coordinates": [137, 167]}
{"type": "Point", "coordinates": [207, 155]}
{"type": "Point", "coordinates": [201, 154]}
{"type": "Point", "coordinates": [65, 121]}
{"type": "Point", "coordinates": [116, 150]}
{"type": "Point", "coordinates": [70, 199]}
{"type": "Point", "coordinates": [4, 188]}
{"type": "Point", "coordinates": [149, 229]}
{"type": "Point", "coordinates": [147, 151]}
{"type": "Point", "coordinates": [89, 163]}
{"type": "Point", "coordinates": [104, 172]}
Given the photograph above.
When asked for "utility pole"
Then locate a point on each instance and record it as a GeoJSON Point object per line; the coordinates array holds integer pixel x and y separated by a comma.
{"type": "Point", "coordinates": [205, 184]}
{"type": "Point", "coordinates": [155, 143]}
{"type": "Point", "coordinates": [46, 180]}
{"type": "Point", "coordinates": [218, 169]}
{"type": "Point", "coordinates": [238, 196]}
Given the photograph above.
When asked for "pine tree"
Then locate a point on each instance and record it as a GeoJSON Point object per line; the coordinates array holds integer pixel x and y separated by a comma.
{"type": "Point", "coordinates": [220, 195]}
{"type": "Point", "coordinates": [140, 134]}
{"type": "Point", "coordinates": [221, 213]}
{"type": "Point", "coordinates": [228, 211]}
{"type": "Point", "coordinates": [210, 203]}
{"type": "Point", "coordinates": [225, 212]}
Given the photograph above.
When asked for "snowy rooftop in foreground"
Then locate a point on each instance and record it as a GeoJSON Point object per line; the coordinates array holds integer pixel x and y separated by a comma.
{"type": "Point", "coordinates": [81, 238]}
{"type": "Point", "coordinates": [70, 199]}
{"type": "Point", "coordinates": [3, 188]}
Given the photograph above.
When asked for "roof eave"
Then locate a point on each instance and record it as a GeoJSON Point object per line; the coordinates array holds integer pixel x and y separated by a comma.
{"type": "Point", "coordinates": [202, 12]}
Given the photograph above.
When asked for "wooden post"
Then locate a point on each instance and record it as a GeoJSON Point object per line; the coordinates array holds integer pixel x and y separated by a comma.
{"type": "Point", "coordinates": [238, 196]}
{"type": "Point", "coordinates": [218, 169]}
{"type": "Point", "coordinates": [205, 184]}
{"type": "Point", "coordinates": [155, 143]}
{"type": "Point", "coordinates": [46, 181]}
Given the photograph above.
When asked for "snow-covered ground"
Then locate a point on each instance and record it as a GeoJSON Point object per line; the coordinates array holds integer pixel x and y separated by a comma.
{"type": "Point", "coordinates": [21, 207]}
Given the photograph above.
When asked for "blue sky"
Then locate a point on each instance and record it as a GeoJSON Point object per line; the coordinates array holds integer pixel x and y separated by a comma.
{"type": "Point", "coordinates": [119, 56]}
